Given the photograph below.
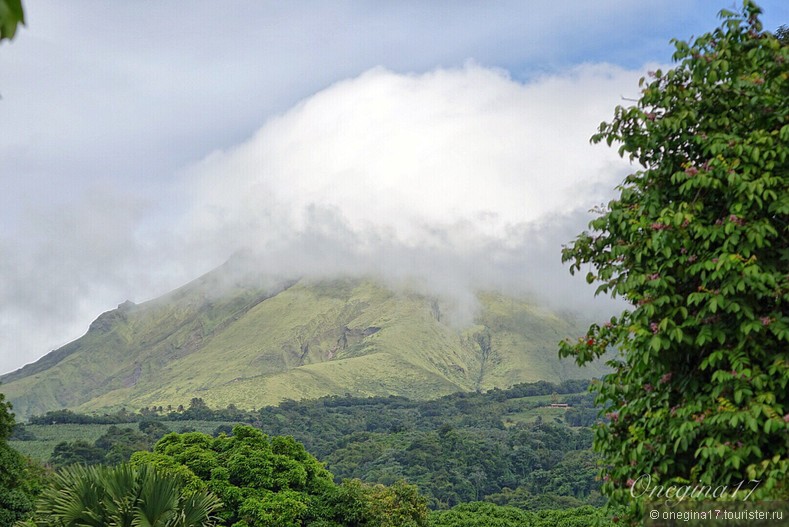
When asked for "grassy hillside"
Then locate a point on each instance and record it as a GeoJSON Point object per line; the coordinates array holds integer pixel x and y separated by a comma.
{"type": "Point", "coordinates": [228, 340]}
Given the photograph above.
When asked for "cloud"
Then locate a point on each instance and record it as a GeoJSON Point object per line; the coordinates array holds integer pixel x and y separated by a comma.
{"type": "Point", "coordinates": [452, 180]}
{"type": "Point", "coordinates": [409, 152]}
{"type": "Point", "coordinates": [463, 178]}
{"type": "Point", "coordinates": [49, 288]}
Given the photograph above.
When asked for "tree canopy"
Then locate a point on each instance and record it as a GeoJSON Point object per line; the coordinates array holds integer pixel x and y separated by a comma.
{"type": "Point", "coordinates": [265, 481]}
{"type": "Point", "coordinates": [17, 485]}
{"type": "Point", "coordinates": [697, 242]}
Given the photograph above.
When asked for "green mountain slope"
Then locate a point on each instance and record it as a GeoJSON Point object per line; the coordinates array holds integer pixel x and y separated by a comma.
{"type": "Point", "coordinates": [227, 340]}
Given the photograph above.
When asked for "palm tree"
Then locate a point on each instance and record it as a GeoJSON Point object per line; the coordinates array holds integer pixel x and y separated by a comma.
{"type": "Point", "coordinates": [122, 496]}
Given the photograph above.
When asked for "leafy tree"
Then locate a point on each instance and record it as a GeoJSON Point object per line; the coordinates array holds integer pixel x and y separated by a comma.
{"type": "Point", "coordinates": [274, 481]}
{"type": "Point", "coordinates": [78, 452]}
{"type": "Point", "coordinates": [222, 429]}
{"type": "Point", "coordinates": [698, 243]}
{"type": "Point", "coordinates": [67, 416]}
{"type": "Point", "coordinates": [155, 430]}
{"type": "Point", "coordinates": [121, 443]}
{"type": "Point", "coordinates": [115, 446]}
{"type": "Point", "coordinates": [198, 409]}
{"type": "Point", "coordinates": [580, 416]}
{"type": "Point", "coordinates": [399, 505]}
{"type": "Point", "coordinates": [11, 15]}
{"type": "Point", "coordinates": [22, 433]}
{"type": "Point", "coordinates": [453, 449]}
{"type": "Point", "coordinates": [6, 419]}
{"type": "Point", "coordinates": [123, 496]}
{"type": "Point", "coordinates": [782, 33]}
{"type": "Point", "coordinates": [17, 484]}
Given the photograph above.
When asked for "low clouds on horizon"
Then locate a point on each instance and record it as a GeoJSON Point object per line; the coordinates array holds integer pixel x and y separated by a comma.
{"type": "Point", "coordinates": [463, 178]}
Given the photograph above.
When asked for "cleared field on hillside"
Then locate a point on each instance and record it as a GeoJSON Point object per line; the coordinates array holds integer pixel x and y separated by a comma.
{"type": "Point", "coordinates": [48, 436]}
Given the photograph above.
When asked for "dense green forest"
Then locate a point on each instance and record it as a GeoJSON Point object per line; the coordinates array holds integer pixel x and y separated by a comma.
{"type": "Point", "coordinates": [504, 457]}
{"type": "Point", "coordinates": [456, 449]}
{"type": "Point", "coordinates": [505, 446]}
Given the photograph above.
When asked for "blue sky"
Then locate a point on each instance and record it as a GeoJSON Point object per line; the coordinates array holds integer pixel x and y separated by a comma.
{"type": "Point", "coordinates": [141, 143]}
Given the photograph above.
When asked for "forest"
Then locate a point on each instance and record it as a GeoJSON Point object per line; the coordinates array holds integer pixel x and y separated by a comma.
{"type": "Point", "coordinates": [510, 450]}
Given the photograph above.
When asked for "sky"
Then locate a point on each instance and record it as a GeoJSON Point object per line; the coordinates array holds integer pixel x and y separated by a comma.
{"type": "Point", "coordinates": [443, 143]}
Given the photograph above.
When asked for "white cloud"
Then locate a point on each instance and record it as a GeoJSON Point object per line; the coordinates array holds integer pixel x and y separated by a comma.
{"type": "Point", "coordinates": [462, 177]}
{"type": "Point", "coordinates": [457, 178]}
{"type": "Point", "coordinates": [400, 155]}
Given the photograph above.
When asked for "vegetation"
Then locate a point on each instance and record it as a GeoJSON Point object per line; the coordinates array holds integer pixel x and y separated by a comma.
{"type": "Point", "coordinates": [506, 446]}
{"type": "Point", "coordinates": [472, 441]}
{"type": "Point", "coordinates": [65, 416]}
{"type": "Point", "coordinates": [782, 34]}
{"type": "Point", "coordinates": [274, 481]}
{"type": "Point", "coordinates": [115, 446]}
{"type": "Point", "coordinates": [11, 15]}
{"type": "Point", "coordinates": [480, 514]}
{"type": "Point", "coordinates": [42, 440]}
{"type": "Point", "coordinates": [698, 243]}
{"type": "Point", "coordinates": [458, 448]}
{"type": "Point", "coordinates": [254, 345]}
{"type": "Point", "coordinates": [123, 496]}
{"type": "Point", "coordinates": [18, 480]}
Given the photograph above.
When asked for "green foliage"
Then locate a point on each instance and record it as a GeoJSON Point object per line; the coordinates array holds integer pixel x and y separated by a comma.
{"type": "Point", "coordinates": [124, 496]}
{"type": "Point", "coordinates": [400, 505]}
{"type": "Point", "coordinates": [121, 443]}
{"type": "Point", "coordinates": [16, 492]}
{"type": "Point", "coordinates": [782, 34]}
{"type": "Point", "coordinates": [65, 416]}
{"type": "Point", "coordinates": [463, 447]}
{"type": "Point", "coordinates": [480, 514]}
{"type": "Point", "coordinates": [78, 452]}
{"type": "Point", "coordinates": [154, 430]}
{"type": "Point", "coordinates": [19, 479]}
{"type": "Point", "coordinates": [508, 446]}
{"type": "Point", "coordinates": [197, 410]}
{"type": "Point", "coordinates": [505, 446]}
{"type": "Point", "coordinates": [6, 419]}
{"type": "Point", "coordinates": [47, 437]}
{"type": "Point", "coordinates": [20, 433]}
{"type": "Point", "coordinates": [113, 447]}
{"type": "Point", "coordinates": [11, 15]}
{"type": "Point", "coordinates": [267, 481]}
{"type": "Point", "coordinates": [698, 243]}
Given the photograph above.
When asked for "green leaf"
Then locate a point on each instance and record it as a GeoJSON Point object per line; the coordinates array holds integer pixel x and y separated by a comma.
{"type": "Point", "coordinates": [11, 15]}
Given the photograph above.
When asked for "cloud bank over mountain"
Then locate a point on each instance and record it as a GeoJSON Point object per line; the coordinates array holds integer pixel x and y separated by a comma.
{"type": "Point", "coordinates": [462, 178]}
{"type": "Point", "coordinates": [452, 180]}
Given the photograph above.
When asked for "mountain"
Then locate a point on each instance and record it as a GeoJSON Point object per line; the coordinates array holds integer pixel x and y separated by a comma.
{"type": "Point", "coordinates": [230, 338]}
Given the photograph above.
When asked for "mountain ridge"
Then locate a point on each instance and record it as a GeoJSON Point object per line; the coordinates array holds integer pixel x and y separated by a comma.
{"type": "Point", "coordinates": [231, 337]}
